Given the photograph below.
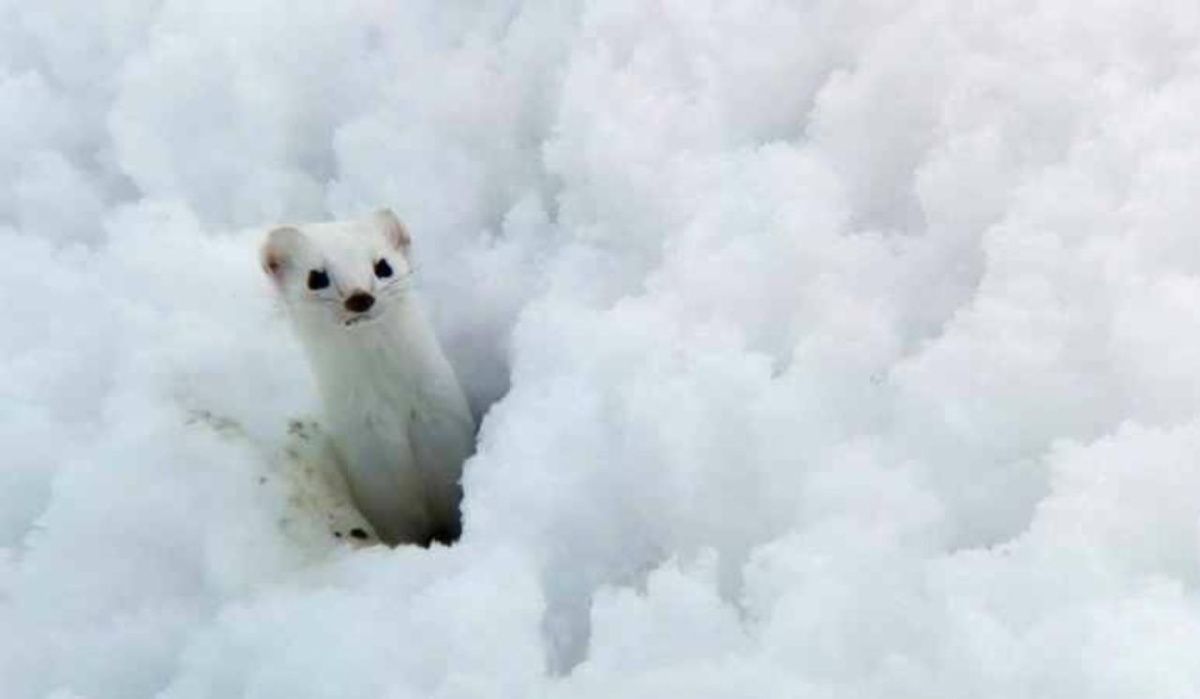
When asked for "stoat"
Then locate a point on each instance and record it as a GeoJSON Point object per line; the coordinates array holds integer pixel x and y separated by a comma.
{"type": "Point", "coordinates": [395, 411]}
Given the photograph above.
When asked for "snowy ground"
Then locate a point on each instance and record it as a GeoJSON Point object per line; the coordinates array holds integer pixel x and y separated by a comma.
{"type": "Point", "coordinates": [846, 349]}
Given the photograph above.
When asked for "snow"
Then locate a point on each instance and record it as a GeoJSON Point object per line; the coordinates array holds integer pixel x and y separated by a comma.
{"type": "Point", "coordinates": [824, 349]}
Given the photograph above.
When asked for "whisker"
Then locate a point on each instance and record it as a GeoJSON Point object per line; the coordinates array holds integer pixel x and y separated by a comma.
{"type": "Point", "coordinates": [399, 285]}
{"type": "Point", "coordinates": [396, 292]}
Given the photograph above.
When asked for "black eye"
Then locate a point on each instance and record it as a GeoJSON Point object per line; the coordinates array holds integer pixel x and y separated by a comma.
{"type": "Point", "coordinates": [318, 279]}
{"type": "Point", "coordinates": [382, 269]}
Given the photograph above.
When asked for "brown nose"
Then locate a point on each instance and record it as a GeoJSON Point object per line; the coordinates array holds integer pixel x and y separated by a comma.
{"type": "Point", "coordinates": [359, 302]}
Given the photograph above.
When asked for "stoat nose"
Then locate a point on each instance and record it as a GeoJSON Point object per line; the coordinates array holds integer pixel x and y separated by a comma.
{"type": "Point", "coordinates": [359, 302]}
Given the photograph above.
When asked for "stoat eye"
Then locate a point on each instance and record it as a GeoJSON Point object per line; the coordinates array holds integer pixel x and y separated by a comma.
{"type": "Point", "coordinates": [318, 279]}
{"type": "Point", "coordinates": [382, 269]}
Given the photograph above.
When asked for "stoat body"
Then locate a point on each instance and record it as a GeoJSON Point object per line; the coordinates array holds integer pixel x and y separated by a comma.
{"type": "Point", "coordinates": [394, 408]}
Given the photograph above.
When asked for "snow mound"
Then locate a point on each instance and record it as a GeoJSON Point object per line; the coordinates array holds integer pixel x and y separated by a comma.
{"type": "Point", "coordinates": [824, 349]}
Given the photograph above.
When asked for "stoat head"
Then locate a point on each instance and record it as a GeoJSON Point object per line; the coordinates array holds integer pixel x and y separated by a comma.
{"type": "Point", "coordinates": [344, 273]}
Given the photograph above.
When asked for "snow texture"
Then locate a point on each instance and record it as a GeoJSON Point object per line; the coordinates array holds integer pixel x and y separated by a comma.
{"type": "Point", "coordinates": [823, 349]}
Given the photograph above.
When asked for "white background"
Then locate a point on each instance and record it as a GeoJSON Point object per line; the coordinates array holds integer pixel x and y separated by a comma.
{"type": "Point", "coordinates": [847, 349]}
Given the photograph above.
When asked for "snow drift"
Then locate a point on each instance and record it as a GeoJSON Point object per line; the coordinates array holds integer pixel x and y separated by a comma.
{"type": "Point", "coordinates": [826, 349]}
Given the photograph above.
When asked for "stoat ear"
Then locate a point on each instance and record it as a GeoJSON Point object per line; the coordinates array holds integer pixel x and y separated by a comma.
{"type": "Point", "coordinates": [277, 250]}
{"type": "Point", "coordinates": [395, 231]}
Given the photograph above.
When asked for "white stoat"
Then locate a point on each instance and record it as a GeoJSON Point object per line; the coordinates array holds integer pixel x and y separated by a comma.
{"type": "Point", "coordinates": [396, 413]}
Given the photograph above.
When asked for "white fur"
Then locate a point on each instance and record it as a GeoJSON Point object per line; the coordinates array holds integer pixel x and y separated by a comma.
{"type": "Point", "coordinates": [396, 413]}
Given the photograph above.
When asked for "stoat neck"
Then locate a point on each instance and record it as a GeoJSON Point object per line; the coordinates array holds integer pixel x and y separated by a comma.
{"type": "Point", "coordinates": [394, 353]}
